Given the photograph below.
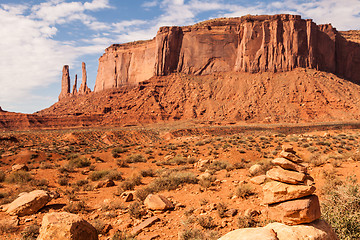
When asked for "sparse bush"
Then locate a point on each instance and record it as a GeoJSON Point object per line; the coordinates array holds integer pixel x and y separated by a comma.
{"type": "Point", "coordinates": [19, 177]}
{"type": "Point", "coordinates": [244, 190]}
{"type": "Point", "coordinates": [206, 222]}
{"type": "Point", "coordinates": [218, 165]}
{"type": "Point", "coordinates": [136, 210]}
{"type": "Point", "coordinates": [341, 207]}
{"type": "Point", "coordinates": [173, 181]}
{"type": "Point", "coordinates": [317, 160]}
{"type": "Point", "coordinates": [142, 193]}
{"type": "Point", "coordinates": [97, 175]}
{"type": "Point", "coordinates": [63, 180]}
{"type": "Point", "coordinates": [245, 222]}
{"type": "Point", "coordinates": [79, 162]}
{"type": "Point", "coordinates": [30, 232]}
{"type": "Point", "coordinates": [75, 207]}
{"type": "Point", "coordinates": [122, 163]}
{"type": "Point", "coordinates": [135, 158]}
{"type": "Point", "coordinates": [147, 172]}
{"type": "Point", "coordinates": [114, 175]}
{"type": "Point", "coordinates": [221, 209]}
{"type": "Point", "coordinates": [122, 235]}
{"type": "Point", "coordinates": [117, 151]}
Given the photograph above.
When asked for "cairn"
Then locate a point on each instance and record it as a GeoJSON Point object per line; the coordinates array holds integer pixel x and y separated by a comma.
{"type": "Point", "coordinates": [289, 195]}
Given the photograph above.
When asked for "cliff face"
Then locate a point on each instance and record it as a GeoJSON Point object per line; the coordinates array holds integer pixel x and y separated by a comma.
{"type": "Point", "coordinates": [247, 44]}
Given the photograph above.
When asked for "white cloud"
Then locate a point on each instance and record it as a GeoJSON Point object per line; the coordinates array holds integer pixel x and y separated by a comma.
{"type": "Point", "coordinates": [150, 4]}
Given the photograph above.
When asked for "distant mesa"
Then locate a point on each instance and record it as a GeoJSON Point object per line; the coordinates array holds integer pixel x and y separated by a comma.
{"type": "Point", "coordinates": [253, 44]}
{"type": "Point", "coordinates": [65, 84]}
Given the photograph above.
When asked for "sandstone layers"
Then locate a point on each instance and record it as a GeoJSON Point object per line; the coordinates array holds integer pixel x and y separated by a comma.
{"type": "Point", "coordinates": [289, 195]}
{"type": "Point", "coordinates": [249, 44]}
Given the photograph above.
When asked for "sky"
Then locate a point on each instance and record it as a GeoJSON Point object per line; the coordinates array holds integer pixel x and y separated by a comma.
{"type": "Point", "coordinates": [38, 37]}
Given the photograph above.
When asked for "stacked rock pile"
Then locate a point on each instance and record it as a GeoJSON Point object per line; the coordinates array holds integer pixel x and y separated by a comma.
{"type": "Point", "coordinates": [289, 195]}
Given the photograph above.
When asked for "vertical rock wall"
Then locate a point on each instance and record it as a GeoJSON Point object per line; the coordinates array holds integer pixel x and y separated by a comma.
{"type": "Point", "coordinates": [65, 83]}
{"type": "Point", "coordinates": [249, 44]}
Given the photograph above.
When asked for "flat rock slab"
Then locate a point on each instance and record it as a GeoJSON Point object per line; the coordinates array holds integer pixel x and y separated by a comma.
{"type": "Point", "coordinates": [317, 230]}
{"type": "Point", "coordinates": [275, 192]}
{"type": "Point", "coordinates": [286, 176]}
{"type": "Point", "coordinates": [291, 156]}
{"type": "Point", "coordinates": [258, 179]}
{"type": "Point", "coordinates": [298, 211]}
{"type": "Point", "coordinates": [250, 234]}
{"type": "Point", "coordinates": [66, 226]}
{"type": "Point", "coordinates": [158, 202]}
{"type": "Point", "coordinates": [27, 203]}
{"type": "Point", "coordinates": [289, 165]}
{"type": "Point", "coordinates": [148, 222]}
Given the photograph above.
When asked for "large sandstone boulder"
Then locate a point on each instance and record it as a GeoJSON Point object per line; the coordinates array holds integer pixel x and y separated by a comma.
{"type": "Point", "coordinates": [317, 230]}
{"type": "Point", "coordinates": [293, 212]}
{"type": "Point", "coordinates": [250, 234]}
{"type": "Point", "coordinates": [158, 202]}
{"type": "Point", "coordinates": [291, 156]}
{"type": "Point", "coordinates": [286, 176]}
{"type": "Point", "coordinates": [66, 226]}
{"type": "Point", "coordinates": [28, 203]}
{"type": "Point", "coordinates": [275, 192]}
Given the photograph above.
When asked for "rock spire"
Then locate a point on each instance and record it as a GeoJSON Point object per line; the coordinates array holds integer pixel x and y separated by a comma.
{"type": "Point", "coordinates": [74, 90]}
{"type": "Point", "coordinates": [65, 83]}
{"type": "Point", "coordinates": [84, 89]}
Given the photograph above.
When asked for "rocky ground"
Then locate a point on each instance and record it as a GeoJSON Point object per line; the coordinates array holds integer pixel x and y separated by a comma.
{"type": "Point", "coordinates": [205, 181]}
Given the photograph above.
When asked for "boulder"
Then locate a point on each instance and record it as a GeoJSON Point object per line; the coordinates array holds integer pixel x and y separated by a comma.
{"type": "Point", "coordinates": [255, 169]}
{"type": "Point", "coordinates": [289, 165]}
{"type": "Point", "coordinates": [148, 222]}
{"type": "Point", "coordinates": [158, 202]}
{"type": "Point", "coordinates": [293, 212]}
{"type": "Point", "coordinates": [317, 230]}
{"type": "Point", "coordinates": [250, 234]}
{"type": "Point", "coordinates": [288, 148]}
{"type": "Point", "coordinates": [291, 156]}
{"type": "Point", "coordinates": [28, 203]}
{"type": "Point", "coordinates": [19, 167]}
{"type": "Point", "coordinates": [65, 83]}
{"type": "Point", "coordinates": [66, 226]}
{"type": "Point", "coordinates": [275, 192]}
{"type": "Point", "coordinates": [286, 176]}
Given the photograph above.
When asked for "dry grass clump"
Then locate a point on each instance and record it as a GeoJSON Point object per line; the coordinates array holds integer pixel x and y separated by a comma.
{"type": "Point", "coordinates": [206, 222]}
{"type": "Point", "coordinates": [30, 232]}
{"type": "Point", "coordinates": [97, 175]}
{"type": "Point", "coordinates": [135, 158]}
{"type": "Point", "coordinates": [244, 190]}
{"type": "Point", "coordinates": [341, 206]}
{"type": "Point", "coordinates": [19, 177]}
{"type": "Point", "coordinates": [122, 235]}
{"type": "Point", "coordinates": [188, 233]}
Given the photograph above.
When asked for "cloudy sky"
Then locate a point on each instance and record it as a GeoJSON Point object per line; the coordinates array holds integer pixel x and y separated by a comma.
{"type": "Point", "coordinates": [38, 37]}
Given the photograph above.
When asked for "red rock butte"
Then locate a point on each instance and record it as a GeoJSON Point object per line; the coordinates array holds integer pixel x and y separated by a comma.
{"type": "Point", "coordinates": [253, 44]}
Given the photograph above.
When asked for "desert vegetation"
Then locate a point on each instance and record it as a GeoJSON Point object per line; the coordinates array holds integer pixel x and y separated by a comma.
{"type": "Point", "coordinates": [206, 177]}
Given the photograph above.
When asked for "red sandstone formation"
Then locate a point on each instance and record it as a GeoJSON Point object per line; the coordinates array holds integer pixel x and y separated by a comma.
{"type": "Point", "coordinates": [65, 83]}
{"type": "Point", "coordinates": [83, 87]}
{"type": "Point", "coordinates": [74, 90]}
{"type": "Point", "coordinates": [246, 44]}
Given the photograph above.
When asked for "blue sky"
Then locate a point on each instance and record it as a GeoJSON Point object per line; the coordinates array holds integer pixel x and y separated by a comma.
{"type": "Point", "coordinates": [38, 37]}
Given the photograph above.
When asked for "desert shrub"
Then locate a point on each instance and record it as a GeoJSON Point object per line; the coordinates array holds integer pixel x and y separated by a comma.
{"type": "Point", "coordinates": [30, 232]}
{"type": "Point", "coordinates": [75, 207]}
{"type": "Point", "coordinates": [19, 177]}
{"type": "Point", "coordinates": [206, 182]}
{"type": "Point", "coordinates": [142, 193]}
{"type": "Point", "coordinates": [114, 175]}
{"type": "Point", "coordinates": [245, 222]}
{"type": "Point", "coordinates": [317, 160]}
{"type": "Point", "coordinates": [79, 162]}
{"type": "Point", "coordinates": [81, 182]}
{"type": "Point", "coordinates": [7, 227]}
{"type": "Point", "coordinates": [135, 210]}
{"type": "Point", "coordinates": [117, 151]}
{"type": "Point", "coordinates": [122, 163]}
{"type": "Point", "coordinates": [244, 190]}
{"type": "Point", "coordinates": [218, 165]}
{"type": "Point", "coordinates": [63, 180]}
{"type": "Point", "coordinates": [341, 206]}
{"type": "Point", "coordinates": [46, 165]}
{"type": "Point", "coordinates": [221, 209]}
{"type": "Point", "coordinates": [135, 158]}
{"type": "Point", "coordinates": [206, 222]}
{"type": "Point", "coordinates": [131, 182]}
{"type": "Point", "coordinates": [97, 175]}
{"type": "Point", "coordinates": [122, 235]}
{"type": "Point", "coordinates": [99, 225]}
{"type": "Point", "coordinates": [40, 182]}
{"type": "Point", "coordinates": [2, 176]}
{"type": "Point", "coordinates": [173, 181]}
{"type": "Point", "coordinates": [147, 172]}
